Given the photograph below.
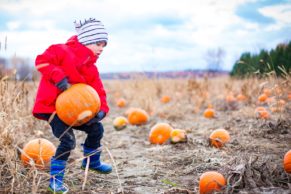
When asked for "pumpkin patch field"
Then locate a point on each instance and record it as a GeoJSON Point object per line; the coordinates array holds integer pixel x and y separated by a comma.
{"type": "Point", "coordinates": [162, 136]}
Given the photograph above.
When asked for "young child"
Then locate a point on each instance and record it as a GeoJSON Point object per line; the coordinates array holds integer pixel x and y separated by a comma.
{"type": "Point", "coordinates": [60, 66]}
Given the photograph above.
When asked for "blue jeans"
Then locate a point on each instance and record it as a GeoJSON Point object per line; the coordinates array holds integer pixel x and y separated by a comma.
{"type": "Point", "coordinates": [67, 138]}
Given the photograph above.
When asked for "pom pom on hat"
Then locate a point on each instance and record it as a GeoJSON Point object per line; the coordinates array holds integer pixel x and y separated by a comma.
{"type": "Point", "coordinates": [90, 31]}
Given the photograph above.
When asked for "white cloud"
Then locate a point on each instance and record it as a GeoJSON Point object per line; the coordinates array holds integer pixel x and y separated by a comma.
{"type": "Point", "coordinates": [31, 43]}
{"type": "Point", "coordinates": [157, 34]}
{"type": "Point", "coordinates": [280, 13]}
{"type": "Point", "coordinates": [13, 25]}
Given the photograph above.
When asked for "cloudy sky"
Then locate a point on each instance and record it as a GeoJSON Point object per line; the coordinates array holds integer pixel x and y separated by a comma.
{"type": "Point", "coordinates": [149, 35]}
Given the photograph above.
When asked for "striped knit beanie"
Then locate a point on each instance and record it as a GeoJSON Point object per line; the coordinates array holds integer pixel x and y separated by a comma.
{"type": "Point", "coordinates": [90, 31]}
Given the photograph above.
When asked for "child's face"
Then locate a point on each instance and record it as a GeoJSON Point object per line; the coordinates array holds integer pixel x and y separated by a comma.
{"type": "Point", "coordinates": [97, 48]}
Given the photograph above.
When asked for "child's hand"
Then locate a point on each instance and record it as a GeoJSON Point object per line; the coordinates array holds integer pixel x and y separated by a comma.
{"type": "Point", "coordinates": [100, 115]}
{"type": "Point", "coordinates": [63, 84]}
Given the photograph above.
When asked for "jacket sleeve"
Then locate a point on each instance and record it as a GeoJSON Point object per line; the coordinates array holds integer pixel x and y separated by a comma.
{"type": "Point", "coordinates": [48, 64]}
{"type": "Point", "coordinates": [98, 86]}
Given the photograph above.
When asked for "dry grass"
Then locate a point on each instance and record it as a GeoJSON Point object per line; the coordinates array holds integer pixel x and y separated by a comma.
{"type": "Point", "coordinates": [252, 161]}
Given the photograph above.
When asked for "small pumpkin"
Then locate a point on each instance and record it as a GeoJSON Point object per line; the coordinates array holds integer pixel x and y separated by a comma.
{"type": "Point", "coordinates": [267, 91]}
{"type": "Point", "coordinates": [120, 123]}
{"type": "Point", "coordinates": [78, 104]}
{"type": "Point", "coordinates": [178, 135]}
{"type": "Point", "coordinates": [262, 98]}
{"type": "Point", "coordinates": [271, 100]}
{"type": "Point", "coordinates": [121, 102]}
{"type": "Point", "coordinates": [287, 162]}
{"type": "Point", "coordinates": [276, 109]}
{"type": "Point", "coordinates": [165, 99]}
{"type": "Point", "coordinates": [230, 98]}
{"type": "Point", "coordinates": [281, 103]}
{"type": "Point", "coordinates": [210, 182]}
{"type": "Point", "coordinates": [241, 97]}
{"type": "Point", "coordinates": [38, 152]}
{"type": "Point", "coordinates": [137, 116]}
{"type": "Point", "coordinates": [209, 113]}
{"type": "Point", "coordinates": [160, 133]}
{"type": "Point", "coordinates": [260, 108]}
{"type": "Point", "coordinates": [262, 113]}
{"type": "Point", "coordinates": [218, 138]}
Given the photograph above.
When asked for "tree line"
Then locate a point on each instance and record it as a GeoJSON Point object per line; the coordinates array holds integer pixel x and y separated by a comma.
{"type": "Point", "coordinates": [276, 61]}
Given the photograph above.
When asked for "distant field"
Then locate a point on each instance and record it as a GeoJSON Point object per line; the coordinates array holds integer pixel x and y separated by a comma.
{"type": "Point", "coordinates": [252, 162]}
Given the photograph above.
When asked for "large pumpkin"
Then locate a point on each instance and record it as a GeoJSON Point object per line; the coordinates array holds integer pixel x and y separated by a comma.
{"type": "Point", "coordinates": [211, 182]}
{"type": "Point", "coordinates": [219, 137]}
{"type": "Point", "coordinates": [38, 152]}
{"type": "Point", "coordinates": [160, 133]}
{"type": "Point", "coordinates": [287, 162]}
{"type": "Point", "coordinates": [78, 104]}
{"type": "Point", "coordinates": [137, 116]}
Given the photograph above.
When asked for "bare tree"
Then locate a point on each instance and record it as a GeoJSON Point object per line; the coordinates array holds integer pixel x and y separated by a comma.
{"type": "Point", "coordinates": [214, 58]}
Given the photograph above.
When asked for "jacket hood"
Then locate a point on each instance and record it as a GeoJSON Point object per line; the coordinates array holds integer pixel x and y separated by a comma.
{"type": "Point", "coordinates": [74, 43]}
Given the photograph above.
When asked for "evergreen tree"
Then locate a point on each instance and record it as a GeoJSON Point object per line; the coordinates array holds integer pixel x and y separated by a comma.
{"type": "Point", "coordinates": [276, 61]}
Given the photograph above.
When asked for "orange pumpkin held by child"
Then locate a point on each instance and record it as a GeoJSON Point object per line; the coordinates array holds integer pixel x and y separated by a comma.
{"type": "Point", "coordinates": [38, 152]}
{"type": "Point", "coordinates": [160, 133]}
{"type": "Point", "coordinates": [78, 104]}
{"type": "Point", "coordinates": [211, 182]}
{"type": "Point", "coordinates": [120, 123]}
{"type": "Point", "coordinates": [218, 138]}
{"type": "Point", "coordinates": [287, 162]}
{"type": "Point", "coordinates": [137, 116]}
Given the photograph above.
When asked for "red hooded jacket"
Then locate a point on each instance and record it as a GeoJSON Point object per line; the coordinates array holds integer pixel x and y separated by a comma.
{"type": "Point", "coordinates": [72, 60]}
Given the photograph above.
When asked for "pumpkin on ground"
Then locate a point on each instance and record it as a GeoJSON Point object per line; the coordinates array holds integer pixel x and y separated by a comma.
{"type": "Point", "coordinates": [178, 135]}
{"type": "Point", "coordinates": [281, 102]}
{"type": "Point", "coordinates": [287, 162]}
{"type": "Point", "coordinates": [241, 97]}
{"type": "Point", "coordinates": [137, 116]}
{"type": "Point", "coordinates": [262, 113]}
{"type": "Point", "coordinates": [262, 98]}
{"type": "Point", "coordinates": [38, 152]}
{"type": "Point", "coordinates": [121, 102]}
{"type": "Point", "coordinates": [260, 108]}
{"type": "Point", "coordinates": [267, 91]}
{"type": "Point", "coordinates": [78, 104]}
{"type": "Point", "coordinates": [120, 123]}
{"type": "Point", "coordinates": [165, 99]}
{"type": "Point", "coordinates": [211, 182]}
{"type": "Point", "coordinates": [230, 98]}
{"type": "Point", "coordinates": [160, 133]}
{"type": "Point", "coordinates": [209, 113]}
{"type": "Point", "coordinates": [218, 138]}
